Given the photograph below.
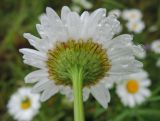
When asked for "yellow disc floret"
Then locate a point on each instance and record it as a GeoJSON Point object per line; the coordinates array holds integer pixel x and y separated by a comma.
{"type": "Point", "coordinates": [132, 86]}
{"type": "Point", "coordinates": [26, 103]}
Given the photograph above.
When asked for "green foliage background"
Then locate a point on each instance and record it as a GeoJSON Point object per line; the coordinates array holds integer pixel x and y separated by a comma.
{"type": "Point", "coordinates": [19, 16]}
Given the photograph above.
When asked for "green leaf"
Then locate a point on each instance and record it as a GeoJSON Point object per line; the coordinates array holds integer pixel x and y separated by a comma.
{"type": "Point", "coordinates": [149, 112]}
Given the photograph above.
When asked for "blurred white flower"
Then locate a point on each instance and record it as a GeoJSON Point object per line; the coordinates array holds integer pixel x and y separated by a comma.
{"type": "Point", "coordinates": [76, 8]}
{"type": "Point", "coordinates": [155, 46]}
{"type": "Point", "coordinates": [132, 15]}
{"type": "Point", "coordinates": [23, 105]}
{"type": "Point", "coordinates": [135, 26]}
{"type": "Point", "coordinates": [84, 3]}
{"type": "Point", "coordinates": [134, 89]}
{"type": "Point", "coordinates": [116, 12]}
{"type": "Point", "coordinates": [153, 28]}
{"type": "Point", "coordinates": [158, 62]}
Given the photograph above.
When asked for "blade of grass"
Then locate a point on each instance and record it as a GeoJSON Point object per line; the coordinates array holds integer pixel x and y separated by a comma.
{"type": "Point", "coordinates": [121, 116]}
{"type": "Point", "coordinates": [152, 99]}
{"type": "Point", "coordinates": [8, 41]}
{"type": "Point", "coordinates": [114, 3]}
{"type": "Point", "coordinates": [149, 112]}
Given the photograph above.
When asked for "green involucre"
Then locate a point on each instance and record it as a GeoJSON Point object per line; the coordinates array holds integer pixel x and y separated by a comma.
{"type": "Point", "coordinates": [88, 56]}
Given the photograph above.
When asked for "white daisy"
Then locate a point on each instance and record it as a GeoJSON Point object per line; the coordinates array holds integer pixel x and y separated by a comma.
{"type": "Point", "coordinates": [135, 26]}
{"type": "Point", "coordinates": [79, 44]}
{"type": "Point", "coordinates": [132, 15]}
{"type": "Point", "coordinates": [155, 46]}
{"type": "Point", "coordinates": [134, 89]}
{"type": "Point", "coordinates": [23, 105]}
{"type": "Point", "coordinates": [116, 12]}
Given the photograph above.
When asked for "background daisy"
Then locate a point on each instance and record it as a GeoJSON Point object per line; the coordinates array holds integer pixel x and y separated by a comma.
{"type": "Point", "coordinates": [116, 12]}
{"type": "Point", "coordinates": [78, 5]}
{"type": "Point", "coordinates": [135, 26]}
{"type": "Point", "coordinates": [134, 89]}
{"type": "Point", "coordinates": [132, 15]}
{"type": "Point", "coordinates": [24, 105]}
{"type": "Point", "coordinates": [155, 46]}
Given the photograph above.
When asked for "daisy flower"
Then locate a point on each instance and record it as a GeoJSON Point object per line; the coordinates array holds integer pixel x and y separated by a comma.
{"type": "Point", "coordinates": [23, 105]}
{"type": "Point", "coordinates": [155, 46]}
{"type": "Point", "coordinates": [116, 12]}
{"type": "Point", "coordinates": [135, 26]}
{"type": "Point", "coordinates": [79, 53]}
{"type": "Point", "coordinates": [132, 15]}
{"type": "Point", "coordinates": [134, 89]}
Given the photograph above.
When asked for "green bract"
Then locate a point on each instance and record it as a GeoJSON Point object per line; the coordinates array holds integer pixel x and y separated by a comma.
{"type": "Point", "coordinates": [85, 55]}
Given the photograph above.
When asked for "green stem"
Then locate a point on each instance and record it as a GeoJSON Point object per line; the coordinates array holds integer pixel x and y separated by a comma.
{"type": "Point", "coordinates": [77, 79]}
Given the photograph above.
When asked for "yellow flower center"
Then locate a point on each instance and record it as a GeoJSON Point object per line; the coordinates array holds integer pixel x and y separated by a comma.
{"type": "Point", "coordinates": [26, 103]}
{"type": "Point", "coordinates": [134, 26]}
{"type": "Point", "coordinates": [133, 15]}
{"type": "Point", "coordinates": [132, 86]}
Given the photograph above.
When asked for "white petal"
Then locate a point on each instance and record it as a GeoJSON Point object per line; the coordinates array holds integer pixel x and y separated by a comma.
{"type": "Point", "coordinates": [102, 34]}
{"type": "Point", "coordinates": [68, 92]}
{"type": "Point", "coordinates": [42, 33]}
{"type": "Point", "coordinates": [84, 19]}
{"type": "Point", "coordinates": [98, 15]}
{"type": "Point", "coordinates": [114, 24]}
{"type": "Point", "coordinates": [124, 69]}
{"type": "Point", "coordinates": [48, 93]}
{"type": "Point", "coordinates": [139, 98]}
{"type": "Point", "coordinates": [74, 25]}
{"type": "Point", "coordinates": [52, 14]}
{"type": "Point", "coordinates": [30, 53]}
{"type": "Point", "coordinates": [86, 92]}
{"type": "Point", "coordinates": [84, 16]}
{"type": "Point", "coordinates": [94, 21]}
{"type": "Point", "coordinates": [145, 83]}
{"type": "Point", "coordinates": [138, 50]}
{"type": "Point", "coordinates": [35, 76]}
{"type": "Point", "coordinates": [110, 81]}
{"type": "Point", "coordinates": [126, 63]}
{"type": "Point", "coordinates": [53, 27]}
{"type": "Point", "coordinates": [124, 39]}
{"type": "Point", "coordinates": [64, 14]}
{"type": "Point", "coordinates": [145, 92]}
{"type": "Point", "coordinates": [34, 41]}
{"type": "Point", "coordinates": [42, 85]}
{"type": "Point", "coordinates": [131, 102]}
{"type": "Point", "coordinates": [37, 64]}
{"type": "Point", "coordinates": [101, 94]}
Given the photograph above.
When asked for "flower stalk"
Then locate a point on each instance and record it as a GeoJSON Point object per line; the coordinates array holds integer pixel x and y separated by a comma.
{"type": "Point", "coordinates": [77, 79]}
